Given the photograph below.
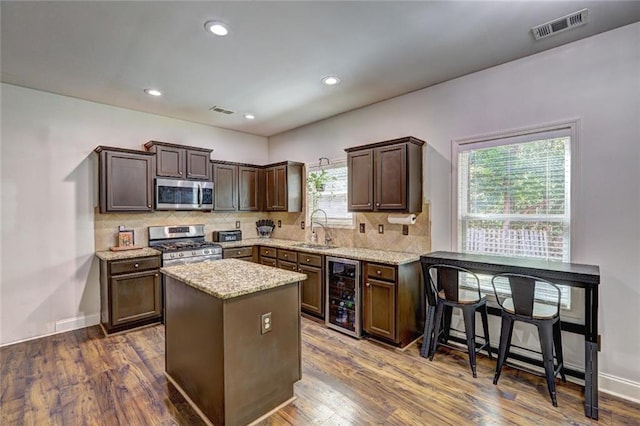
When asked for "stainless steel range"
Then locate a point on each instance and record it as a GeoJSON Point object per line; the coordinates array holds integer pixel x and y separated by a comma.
{"type": "Point", "coordinates": [183, 244]}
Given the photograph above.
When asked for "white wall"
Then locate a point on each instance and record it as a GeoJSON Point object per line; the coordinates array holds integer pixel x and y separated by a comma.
{"type": "Point", "coordinates": [48, 271]}
{"type": "Point", "coordinates": [596, 80]}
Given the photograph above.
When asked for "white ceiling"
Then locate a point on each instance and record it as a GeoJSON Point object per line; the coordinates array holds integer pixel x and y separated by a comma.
{"type": "Point", "coordinates": [272, 61]}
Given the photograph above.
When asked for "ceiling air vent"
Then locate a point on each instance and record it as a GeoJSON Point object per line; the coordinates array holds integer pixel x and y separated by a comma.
{"type": "Point", "coordinates": [562, 24]}
{"type": "Point", "coordinates": [221, 110]}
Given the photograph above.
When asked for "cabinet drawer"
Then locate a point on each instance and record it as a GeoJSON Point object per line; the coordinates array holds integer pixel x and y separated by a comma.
{"type": "Point", "coordinates": [381, 271]}
{"type": "Point", "coordinates": [310, 259]}
{"type": "Point", "coordinates": [289, 266]}
{"type": "Point", "coordinates": [134, 265]}
{"type": "Point", "coordinates": [268, 252]}
{"type": "Point", "coordinates": [287, 255]}
{"type": "Point", "coordinates": [268, 261]}
{"type": "Point", "coordinates": [237, 252]}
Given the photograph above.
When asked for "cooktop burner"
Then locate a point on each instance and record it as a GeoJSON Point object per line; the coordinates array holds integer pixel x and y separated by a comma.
{"type": "Point", "coordinates": [184, 245]}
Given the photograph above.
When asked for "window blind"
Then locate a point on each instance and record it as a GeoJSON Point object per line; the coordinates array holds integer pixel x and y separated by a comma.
{"type": "Point", "coordinates": [333, 197]}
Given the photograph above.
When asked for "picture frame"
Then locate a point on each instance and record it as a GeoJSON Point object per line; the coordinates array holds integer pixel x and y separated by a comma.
{"type": "Point", "coordinates": [126, 238]}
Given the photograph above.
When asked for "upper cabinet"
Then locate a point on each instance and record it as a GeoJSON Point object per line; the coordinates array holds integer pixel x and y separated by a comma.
{"type": "Point", "coordinates": [386, 176]}
{"type": "Point", "coordinates": [181, 162]}
{"type": "Point", "coordinates": [237, 187]}
{"type": "Point", "coordinates": [284, 187]}
{"type": "Point", "coordinates": [125, 180]}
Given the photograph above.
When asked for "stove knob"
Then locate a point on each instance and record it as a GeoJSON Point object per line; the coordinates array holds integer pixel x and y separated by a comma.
{"type": "Point", "coordinates": [205, 251]}
{"type": "Point", "coordinates": [172, 255]}
{"type": "Point", "coordinates": [193, 253]}
{"type": "Point", "coordinates": [181, 254]}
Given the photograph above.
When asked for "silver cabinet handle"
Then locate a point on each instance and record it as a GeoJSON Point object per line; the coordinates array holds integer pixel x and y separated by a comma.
{"type": "Point", "coordinates": [136, 266]}
{"type": "Point", "coordinates": [368, 285]}
{"type": "Point", "coordinates": [307, 259]}
{"type": "Point", "coordinates": [156, 275]}
{"type": "Point", "coordinates": [377, 204]}
{"type": "Point", "coordinates": [379, 272]}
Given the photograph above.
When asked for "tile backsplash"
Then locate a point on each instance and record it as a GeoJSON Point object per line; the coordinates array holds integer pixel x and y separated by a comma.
{"type": "Point", "coordinates": [418, 240]}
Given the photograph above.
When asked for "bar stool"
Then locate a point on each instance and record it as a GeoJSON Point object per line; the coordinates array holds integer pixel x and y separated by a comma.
{"type": "Point", "coordinates": [457, 288]}
{"type": "Point", "coordinates": [535, 301]}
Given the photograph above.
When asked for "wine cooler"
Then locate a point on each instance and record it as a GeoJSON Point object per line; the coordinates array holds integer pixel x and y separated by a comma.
{"type": "Point", "coordinates": [343, 296]}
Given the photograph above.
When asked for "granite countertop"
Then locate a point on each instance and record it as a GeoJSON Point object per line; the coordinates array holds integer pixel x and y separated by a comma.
{"type": "Point", "coordinates": [127, 254]}
{"type": "Point", "coordinates": [229, 278]}
{"type": "Point", "coordinates": [381, 256]}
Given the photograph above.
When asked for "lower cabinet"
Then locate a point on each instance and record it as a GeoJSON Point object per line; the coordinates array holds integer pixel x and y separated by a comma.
{"type": "Point", "coordinates": [393, 302]}
{"type": "Point", "coordinates": [313, 289]}
{"type": "Point", "coordinates": [268, 256]}
{"type": "Point", "coordinates": [130, 293]}
{"type": "Point", "coordinates": [312, 293]}
{"type": "Point", "coordinates": [242, 253]}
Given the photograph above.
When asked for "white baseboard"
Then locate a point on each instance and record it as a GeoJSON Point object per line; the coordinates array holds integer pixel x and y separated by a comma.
{"type": "Point", "coordinates": [619, 387]}
{"type": "Point", "coordinates": [77, 322]}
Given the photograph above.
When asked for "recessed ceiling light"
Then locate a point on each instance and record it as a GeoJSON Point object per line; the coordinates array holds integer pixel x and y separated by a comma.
{"type": "Point", "coordinates": [153, 92]}
{"type": "Point", "coordinates": [249, 116]}
{"type": "Point", "coordinates": [216, 27]}
{"type": "Point", "coordinates": [331, 80]}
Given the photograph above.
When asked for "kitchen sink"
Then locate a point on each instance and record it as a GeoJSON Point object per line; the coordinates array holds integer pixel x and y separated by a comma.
{"type": "Point", "coordinates": [314, 246]}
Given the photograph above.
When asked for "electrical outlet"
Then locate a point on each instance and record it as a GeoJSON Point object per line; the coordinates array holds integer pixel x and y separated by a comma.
{"type": "Point", "coordinates": [279, 224]}
{"type": "Point", "coordinates": [405, 229]}
{"type": "Point", "coordinates": [380, 229]}
{"type": "Point", "coordinates": [302, 225]}
{"type": "Point", "coordinates": [237, 224]}
{"type": "Point", "coordinates": [362, 228]}
{"type": "Point", "coordinates": [265, 323]}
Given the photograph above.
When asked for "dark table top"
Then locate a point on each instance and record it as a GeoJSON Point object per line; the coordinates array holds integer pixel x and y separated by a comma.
{"type": "Point", "coordinates": [584, 275]}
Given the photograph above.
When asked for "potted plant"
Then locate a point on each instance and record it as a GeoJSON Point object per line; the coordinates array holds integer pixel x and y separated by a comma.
{"type": "Point", "coordinates": [316, 184]}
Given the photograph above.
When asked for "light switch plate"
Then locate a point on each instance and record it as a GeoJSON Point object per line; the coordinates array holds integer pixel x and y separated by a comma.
{"type": "Point", "coordinates": [237, 224]}
{"type": "Point", "coordinates": [380, 229]}
{"type": "Point", "coordinates": [279, 224]}
{"type": "Point", "coordinates": [405, 229]}
{"type": "Point", "coordinates": [302, 225]}
{"type": "Point", "coordinates": [362, 228]}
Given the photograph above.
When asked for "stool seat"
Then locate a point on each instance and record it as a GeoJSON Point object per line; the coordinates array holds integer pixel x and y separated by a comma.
{"type": "Point", "coordinates": [540, 310]}
{"type": "Point", "coordinates": [465, 297]}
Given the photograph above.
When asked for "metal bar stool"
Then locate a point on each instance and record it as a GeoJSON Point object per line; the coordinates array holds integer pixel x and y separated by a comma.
{"type": "Point", "coordinates": [457, 288]}
{"type": "Point", "coordinates": [535, 301]}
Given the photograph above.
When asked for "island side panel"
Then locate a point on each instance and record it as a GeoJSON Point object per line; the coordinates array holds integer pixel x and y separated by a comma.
{"type": "Point", "coordinates": [261, 368]}
{"type": "Point", "coordinates": [194, 346]}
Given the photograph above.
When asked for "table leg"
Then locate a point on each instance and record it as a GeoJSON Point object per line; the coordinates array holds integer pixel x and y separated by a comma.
{"type": "Point", "coordinates": [591, 354]}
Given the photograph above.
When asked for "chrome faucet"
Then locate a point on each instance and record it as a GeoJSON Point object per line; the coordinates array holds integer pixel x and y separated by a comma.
{"type": "Point", "coordinates": [327, 237]}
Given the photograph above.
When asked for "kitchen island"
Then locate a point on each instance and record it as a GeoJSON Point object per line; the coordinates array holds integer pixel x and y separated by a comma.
{"type": "Point", "coordinates": [232, 337]}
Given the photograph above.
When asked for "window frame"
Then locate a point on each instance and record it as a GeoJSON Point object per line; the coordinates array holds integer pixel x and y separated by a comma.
{"type": "Point", "coordinates": [315, 167]}
{"type": "Point", "coordinates": [576, 311]}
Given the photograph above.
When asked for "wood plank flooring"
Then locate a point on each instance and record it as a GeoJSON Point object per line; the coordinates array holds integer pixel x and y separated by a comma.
{"type": "Point", "coordinates": [84, 378]}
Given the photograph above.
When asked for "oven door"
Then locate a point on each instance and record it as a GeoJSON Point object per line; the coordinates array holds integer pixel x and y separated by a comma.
{"type": "Point", "coordinates": [175, 194]}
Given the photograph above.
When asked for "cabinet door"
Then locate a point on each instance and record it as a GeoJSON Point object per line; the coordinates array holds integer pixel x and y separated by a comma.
{"type": "Point", "coordinates": [391, 177]}
{"type": "Point", "coordinates": [170, 161]}
{"type": "Point", "coordinates": [126, 183]}
{"type": "Point", "coordinates": [226, 184]}
{"type": "Point", "coordinates": [379, 308]}
{"type": "Point", "coordinates": [135, 297]}
{"type": "Point", "coordinates": [198, 164]}
{"type": "Point", "coordinates": [312, 290]}
{"type": "Point", "coordinates": [360, 180]}
{"type": "Point", "coordinates": [248, 189]}
{"type": "Point", "coordinates": [289, 266]}
{"type": "Point", "coordinates": [269, 261]}
{"type": "Point", "coordinates": [277, 188]}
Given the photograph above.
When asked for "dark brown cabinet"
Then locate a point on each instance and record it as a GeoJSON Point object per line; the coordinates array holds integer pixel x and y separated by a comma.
{"type": "Point", "coordinates": [125, 180]}
{"type": "Point", "coordinates": [268, 256]}
{"type": "Point", "coordinates": [130, 293]}
{"type": "Point", "coordinates": [386, 176]}
{"type": "Point", "coordinates": [249, 188]}
{"type": "Point", "coordinates": [284, 187]}
{"type": "Point", "coordinates": [237, 186]}
{"type": "Point", "coordinates": [393, 306]}
{"type": "Point", "coordinates": [241, 253]}
{"type": "Point", "coordinates": [182, 162]}
{"type": "Point", "coordinates": [313, 289]}
{"type": "Point", "coordinates": [225, 178]}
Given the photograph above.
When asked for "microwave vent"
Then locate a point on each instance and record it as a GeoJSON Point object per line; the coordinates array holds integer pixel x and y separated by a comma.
{"type": "Point", "coordinates": [567, 22]}
{"type": "Point", "coordinates": [221, 110]}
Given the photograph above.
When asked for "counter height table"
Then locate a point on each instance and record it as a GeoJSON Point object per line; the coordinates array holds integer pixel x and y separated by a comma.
{"type": "Point", "coordinates": [569, 274]}
{"type": "Point", "coordinates": [232, 336]}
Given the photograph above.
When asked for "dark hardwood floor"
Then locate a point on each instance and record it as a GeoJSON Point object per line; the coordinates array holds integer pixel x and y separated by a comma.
{"type": "Point", "coordinates": [82, 377]}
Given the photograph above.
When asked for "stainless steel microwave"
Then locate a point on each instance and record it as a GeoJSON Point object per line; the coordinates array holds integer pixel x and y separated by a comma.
{"type": "Point", "coordinates": [177, 194]}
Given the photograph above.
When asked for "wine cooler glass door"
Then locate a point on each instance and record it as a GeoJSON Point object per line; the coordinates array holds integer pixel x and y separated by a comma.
{"type": "Point", "coordinates": [343, 295]}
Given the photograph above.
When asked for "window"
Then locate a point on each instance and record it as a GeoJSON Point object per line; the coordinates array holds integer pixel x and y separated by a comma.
{"type": "Point", "coordinates": [513, 197]}
{"type": "Point", "coordinates": [332, 195]}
